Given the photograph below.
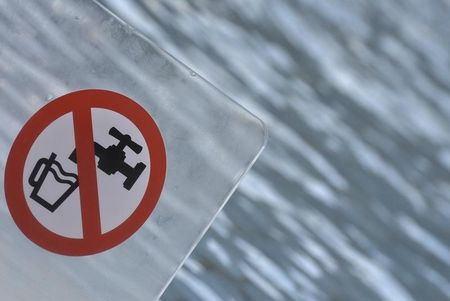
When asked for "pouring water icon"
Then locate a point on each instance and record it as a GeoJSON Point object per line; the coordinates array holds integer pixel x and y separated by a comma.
{"type": "Point", "coordinates": [47, 168]}
{"type": "Point", "coordinates": [111, 161]}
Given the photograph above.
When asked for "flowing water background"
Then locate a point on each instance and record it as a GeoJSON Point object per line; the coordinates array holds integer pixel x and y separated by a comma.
{"type": "Point", "coordinates": [351, 198]}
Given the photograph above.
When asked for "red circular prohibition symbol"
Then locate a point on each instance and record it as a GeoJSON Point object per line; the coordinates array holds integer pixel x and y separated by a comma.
{"type": "Point", "coordinates": [80, 104]}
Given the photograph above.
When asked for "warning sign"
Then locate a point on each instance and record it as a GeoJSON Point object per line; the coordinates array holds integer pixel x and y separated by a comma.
{"type": "Point", "coordinates": [85, 172]}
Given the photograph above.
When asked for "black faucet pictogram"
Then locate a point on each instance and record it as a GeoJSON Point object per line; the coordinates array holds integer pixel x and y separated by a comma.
{"type": "Point", "coordinates": [112, 158]}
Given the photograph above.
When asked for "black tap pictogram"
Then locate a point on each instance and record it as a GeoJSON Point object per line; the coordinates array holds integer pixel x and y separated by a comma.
{"type": "Point", "coordinates": [112, 158]}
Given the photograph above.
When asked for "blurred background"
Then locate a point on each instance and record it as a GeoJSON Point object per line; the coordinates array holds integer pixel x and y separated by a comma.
{"type": "Point", "coordinates": [351, 198]}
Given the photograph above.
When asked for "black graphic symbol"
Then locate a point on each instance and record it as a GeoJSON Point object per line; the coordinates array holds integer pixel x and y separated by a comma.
{"type": "Point", "coordinates": [112, 159]}
{"type": "Point", "coordinates": [48, 166]}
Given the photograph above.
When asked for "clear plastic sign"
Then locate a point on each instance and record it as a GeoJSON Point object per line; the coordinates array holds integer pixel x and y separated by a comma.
{"type": "Point", "coordinates": [116, 157]}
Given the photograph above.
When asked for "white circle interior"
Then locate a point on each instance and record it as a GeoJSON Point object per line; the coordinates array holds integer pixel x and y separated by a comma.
{"type": "Point", "coordinates": [115, 202]}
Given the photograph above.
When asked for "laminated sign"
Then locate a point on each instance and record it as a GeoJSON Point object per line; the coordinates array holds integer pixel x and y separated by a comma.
{"type": "Point", "coordinates": [116, 157]}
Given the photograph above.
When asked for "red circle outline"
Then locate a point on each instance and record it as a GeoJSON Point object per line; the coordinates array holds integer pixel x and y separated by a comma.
{"type": "Point", "coordinates": [15, 196]}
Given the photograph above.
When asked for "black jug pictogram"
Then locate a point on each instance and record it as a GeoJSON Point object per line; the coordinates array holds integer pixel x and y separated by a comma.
{"type": "Point", "coordinates": [51, 166]}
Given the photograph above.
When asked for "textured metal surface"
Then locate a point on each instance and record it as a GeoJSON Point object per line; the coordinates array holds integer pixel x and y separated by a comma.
{"type": "Point", "coordinates": [351, 200]}
{"type": "Point", "coordinates": [52, 47]}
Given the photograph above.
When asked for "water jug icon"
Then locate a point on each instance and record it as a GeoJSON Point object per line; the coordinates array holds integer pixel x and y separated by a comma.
{"type": "Point", "coordinates": [42, 171]}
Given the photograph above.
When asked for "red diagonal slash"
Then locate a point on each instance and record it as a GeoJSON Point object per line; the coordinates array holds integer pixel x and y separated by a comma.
{"type": "Point", "coordinates": [84, 141]}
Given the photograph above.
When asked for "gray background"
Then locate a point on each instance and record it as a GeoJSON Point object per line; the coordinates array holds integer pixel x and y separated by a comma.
{"type": "Point", "coordinates": [350, 200]}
